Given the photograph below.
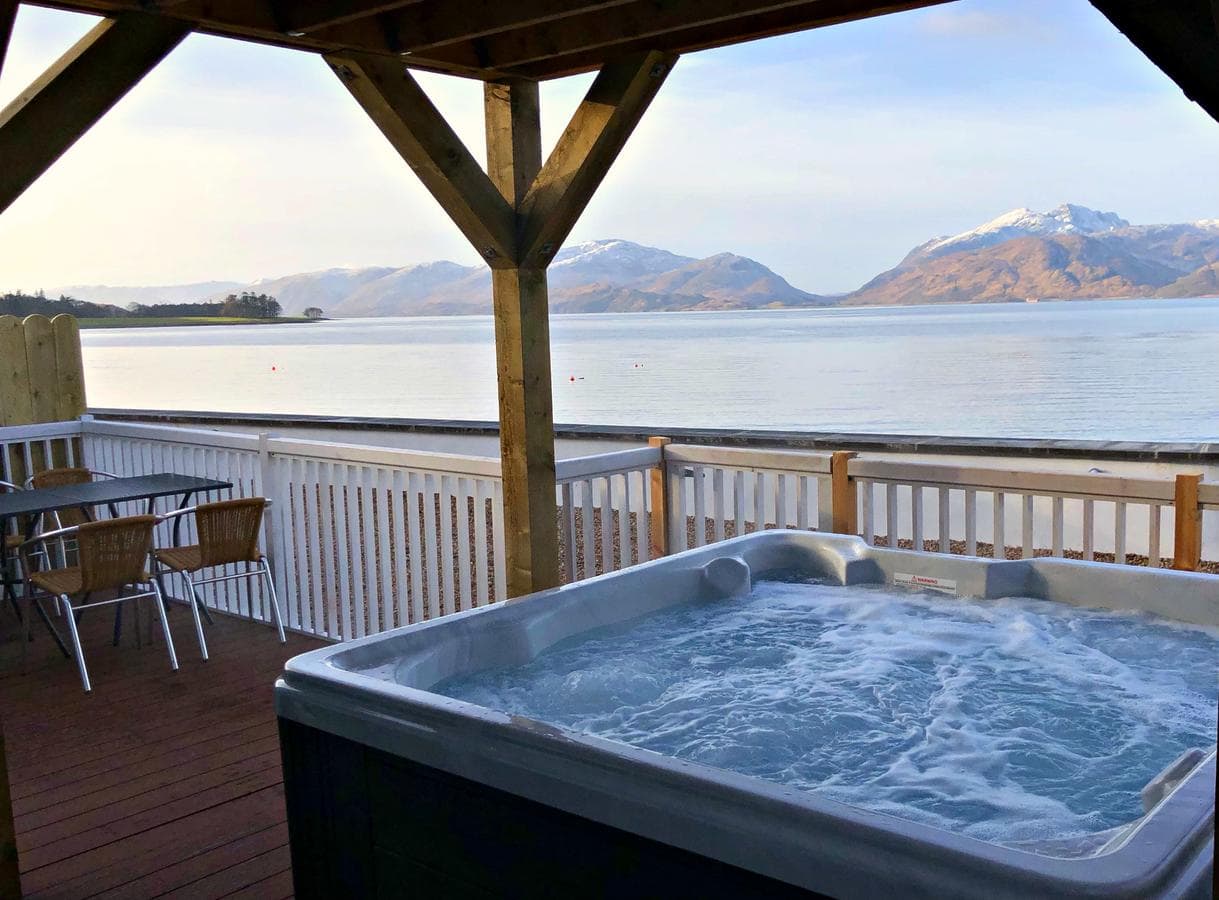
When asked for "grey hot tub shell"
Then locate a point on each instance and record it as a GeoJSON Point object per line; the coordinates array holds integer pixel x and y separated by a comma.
{"type": "Point", "coordinates": [392, 788]}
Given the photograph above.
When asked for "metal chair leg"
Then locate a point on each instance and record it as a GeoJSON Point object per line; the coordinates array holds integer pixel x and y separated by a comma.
{"type": "Point", "coordinates": [196, 601]}
{"type": "Point", "coordinates": [169, 641]}
{"type": "Point", "coordinates": [118, 624]}
{"type": "Point", "coordinates": [80, 654]}
{"type": "Point", "coordinates": [276, 612]}
{"type": "Point", "coordinates": [26, 597]}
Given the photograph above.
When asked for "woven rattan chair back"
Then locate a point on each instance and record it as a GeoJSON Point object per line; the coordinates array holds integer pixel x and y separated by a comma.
{"type": "Point", "coordinates": [114, 553]}
{"type": "Point", "coordinates": [228, 530]}
{"type": "Point", "coordinates": [53, 478]}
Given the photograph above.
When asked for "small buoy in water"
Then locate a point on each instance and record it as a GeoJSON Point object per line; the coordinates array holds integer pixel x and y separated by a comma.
{"type": "Point", "coordinates": [572, 378]}
{"type": "Point", "coordinates": [272, 368]}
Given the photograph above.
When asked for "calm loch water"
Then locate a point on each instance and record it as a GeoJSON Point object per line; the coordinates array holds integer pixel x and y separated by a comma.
{"type": "Point", "coordinates": [1135, 370]}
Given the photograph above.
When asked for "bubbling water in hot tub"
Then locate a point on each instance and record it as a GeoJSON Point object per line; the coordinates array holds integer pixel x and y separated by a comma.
{"type": "Point", "coordinates": [1007, 720]}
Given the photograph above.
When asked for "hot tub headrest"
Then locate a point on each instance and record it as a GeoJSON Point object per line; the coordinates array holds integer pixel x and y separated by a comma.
{"type": "Point", "coordinates": [727, 576]}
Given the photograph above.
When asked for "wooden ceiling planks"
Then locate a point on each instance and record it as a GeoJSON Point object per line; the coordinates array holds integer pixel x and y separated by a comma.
{"type": "Point", "coordinates": [492, 39]}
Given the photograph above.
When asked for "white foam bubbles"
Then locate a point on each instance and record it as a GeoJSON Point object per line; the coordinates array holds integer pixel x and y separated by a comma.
{"type": "Point", "coordinates": [1013, 720]}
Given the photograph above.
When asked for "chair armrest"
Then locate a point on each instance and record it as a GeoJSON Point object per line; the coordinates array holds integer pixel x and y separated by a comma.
{"type": "Point", "coordinates": [48, 535]}
{"type": "Point", "coordinates": [165, 517]}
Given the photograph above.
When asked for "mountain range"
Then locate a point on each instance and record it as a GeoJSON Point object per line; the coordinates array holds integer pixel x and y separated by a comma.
{"type": "Point", "coordinates": [1071, 252]}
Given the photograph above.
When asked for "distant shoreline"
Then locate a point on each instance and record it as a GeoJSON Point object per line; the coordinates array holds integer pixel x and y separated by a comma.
{"type": "Point", "coordinates": [178, 321]}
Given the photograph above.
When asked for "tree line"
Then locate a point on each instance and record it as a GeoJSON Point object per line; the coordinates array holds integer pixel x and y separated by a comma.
{"type": "Point", "coordinates": [246, 305]}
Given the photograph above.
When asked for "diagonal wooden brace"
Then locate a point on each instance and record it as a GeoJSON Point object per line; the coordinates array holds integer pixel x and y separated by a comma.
{"type": "Point", "coordinates": [596, 134]}
{"type": "Point", "coordinates": [62, 104]}
{"type": "Point", "coordinates": [416, 129]}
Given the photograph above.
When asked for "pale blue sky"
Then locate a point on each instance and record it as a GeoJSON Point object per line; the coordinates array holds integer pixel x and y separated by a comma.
{"type": "Point", "coordinates": [825, 155]}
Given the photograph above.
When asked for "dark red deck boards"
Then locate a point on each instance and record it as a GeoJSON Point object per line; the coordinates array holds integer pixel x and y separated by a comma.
{"type": "Point", "coordinates": [159, 783]}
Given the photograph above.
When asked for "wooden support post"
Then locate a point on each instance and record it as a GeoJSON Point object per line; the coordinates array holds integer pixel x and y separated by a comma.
{"type": "Point", "coordinates": [522, 353]}
{"type": "Point", "coordinates": [844, 493]}
{"type": "Point", "coordinates": [516, 215]}
{"type": "Point", "coordinates": [1187, 543]}
{"type": "Point", "coordinates": [62, 104]}
{"type": "Point", "coordinates": [526, 429]}
{"type": "Point", "coordinates": [659, 524]}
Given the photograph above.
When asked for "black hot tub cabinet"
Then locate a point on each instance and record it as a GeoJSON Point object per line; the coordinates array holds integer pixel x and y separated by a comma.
{"type": "Point", "coordinates": [394, 791]}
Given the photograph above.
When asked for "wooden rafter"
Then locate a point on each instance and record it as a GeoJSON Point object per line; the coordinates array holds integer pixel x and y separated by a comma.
{"type": "Point", "coordinates": [433, 23]}
{"type": "Point", "coordinates": [399, 107]}
{"type": "Point", "coordinates": [598, 129]}
{"type": "Point", "coordinates": [51, 114]}
{"type": "Point", "coordinates": [497, 39]}
{"type": "Point", "coordinates": [304, 16]}
{"type": "Point", "coordinates": [1182, 38]}
{"type": "Point", "coordinates": [581, 54]}
{"type": "Point", "coordinates": [636, 20]}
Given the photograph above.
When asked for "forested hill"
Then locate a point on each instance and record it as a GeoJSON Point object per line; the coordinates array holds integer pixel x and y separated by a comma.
{"type": "Point", "coordinates": [247, 305]}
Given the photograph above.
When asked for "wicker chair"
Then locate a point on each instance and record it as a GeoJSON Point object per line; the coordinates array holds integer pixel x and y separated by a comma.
{"type": "Point", "coordinates": [111, 556]}
{"type": "Point", "coordinates": [62, 477]}
{"type": "Point", "coordinates": [70, 517]}
{"type": "Point", "coordinates": [228, 534]}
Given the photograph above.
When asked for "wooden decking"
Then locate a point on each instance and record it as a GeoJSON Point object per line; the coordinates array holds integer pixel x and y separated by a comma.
{"type": "Point", "coordinates": [160, 783]}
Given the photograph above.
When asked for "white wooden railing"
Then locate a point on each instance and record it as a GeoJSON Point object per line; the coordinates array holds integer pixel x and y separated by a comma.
{"type": "Point", "coordinates": [363, 539]}
{"type": "Point", "coordinates": [604, 509]}
{"type": "Point", "coordinates": [949, 508]}
{"type": "Point", "coordinates": [718, 492]}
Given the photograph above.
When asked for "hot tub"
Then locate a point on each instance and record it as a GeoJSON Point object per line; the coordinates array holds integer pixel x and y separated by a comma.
{"type": "Point", "coordinates": [395, 787]}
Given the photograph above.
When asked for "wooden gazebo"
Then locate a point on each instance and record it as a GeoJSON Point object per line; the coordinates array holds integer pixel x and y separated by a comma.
{"type": "Point", "coordinates": [518, 210]}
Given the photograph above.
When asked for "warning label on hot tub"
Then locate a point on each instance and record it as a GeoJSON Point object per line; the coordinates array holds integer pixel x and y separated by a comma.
{"type": "Point", "coordinates": [926, 582]}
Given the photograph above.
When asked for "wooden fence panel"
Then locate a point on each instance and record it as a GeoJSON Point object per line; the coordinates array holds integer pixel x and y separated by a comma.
{"type": "Point", "coordinates": [41, 375]}
{"type": "Point", "coordinates": [41, 380]}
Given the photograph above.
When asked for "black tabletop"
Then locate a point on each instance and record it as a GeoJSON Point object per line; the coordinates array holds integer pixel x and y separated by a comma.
{"type": "Point", "coordinates": [110, 490]}
{"type": "Point", "coordinates": [27, 503]}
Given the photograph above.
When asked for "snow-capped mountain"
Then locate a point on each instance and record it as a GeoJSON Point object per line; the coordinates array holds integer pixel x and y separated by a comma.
{"type": "Point", "coordinates": [1065, 219]}
{"type": "Point", "coordinates": [1069, 253]}
{"type": "Point", "coordinates": [595, 276]}
{"type": "Point", "coordinates": [614, 262]}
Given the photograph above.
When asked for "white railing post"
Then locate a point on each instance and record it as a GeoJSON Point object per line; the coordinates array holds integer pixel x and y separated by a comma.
{"type": "Point", "coordinates": [272, 523]}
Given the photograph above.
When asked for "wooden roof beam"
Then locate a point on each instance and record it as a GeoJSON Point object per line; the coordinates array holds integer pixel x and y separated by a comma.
{"type": "Point", "coordinates": [62, 104]}
{"type": "Point", "coordinates": [596, 134]}
{"type": "Point", "coordinates": [1181, 37]}
{"type": "Point", "coordinates": [639, 19]}
{"type": "Point", "coordinates": [8, 12]}
{"type": "Point", "coordinates": [434, 23]}
{"type": "Point", "coordinates": [416, 129]}
{"type": "Point", "coordinates": [572, 52]}
{"type": "Point", "coordinates": [298, 17]}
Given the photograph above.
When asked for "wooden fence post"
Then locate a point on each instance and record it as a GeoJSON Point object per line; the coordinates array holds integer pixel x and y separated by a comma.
{"type": "Point", "coordinates": [1187, 542]}
{"type": "Point", "coordinates": [844, 494]}
{"type": "Point", "coordinates": [659, 524]}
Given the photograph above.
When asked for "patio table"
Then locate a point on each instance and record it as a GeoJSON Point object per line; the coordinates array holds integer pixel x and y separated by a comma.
{"type": "Point", "coordinates": [110, 492]}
